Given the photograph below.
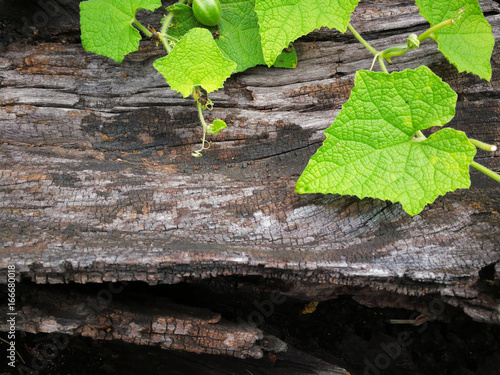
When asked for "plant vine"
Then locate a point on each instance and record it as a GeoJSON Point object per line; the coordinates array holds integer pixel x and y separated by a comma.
{"type": "Point", "coordinates": [376, 146]}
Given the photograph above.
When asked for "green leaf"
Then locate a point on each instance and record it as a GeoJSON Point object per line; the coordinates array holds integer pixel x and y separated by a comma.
{"type": "Point", "coordinates": [468, 43]}
{"type": "Point", "coordinates": [239, 37]}
{"type": "Point", "coordinates": [370, 150]}
{"type": "Point", "coordinates": [183, 21]}
{"type": "Point", "coordinates": [238, 33]}
{"type": "Point", "coordinates": [287, 58]}
{"type": "Point", "coordinates": [216, 127]}
{"type": "Point", "coordinates": [195, 60]}
{"type": "Point", "coordinates": [107, 26]}
{"type": "Point", "coordinates": [283, 21]}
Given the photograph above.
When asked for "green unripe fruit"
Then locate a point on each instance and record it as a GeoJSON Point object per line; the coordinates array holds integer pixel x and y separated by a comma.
{"type": "Point", "coordinates": [207, 12]}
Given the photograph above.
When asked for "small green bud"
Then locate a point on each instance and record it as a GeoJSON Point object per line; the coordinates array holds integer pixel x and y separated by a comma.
{"type": "Point", "coordinates": [413, 41]}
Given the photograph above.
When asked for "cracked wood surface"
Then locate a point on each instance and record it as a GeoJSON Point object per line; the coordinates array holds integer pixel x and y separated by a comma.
{"type": "Point", "coordinates": [158, 322]}
{"type": "Point", "coordinates": [97, 182]}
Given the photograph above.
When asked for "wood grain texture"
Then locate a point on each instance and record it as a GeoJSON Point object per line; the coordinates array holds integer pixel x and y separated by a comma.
{"type": "Point", "coordinates": [159, 322]}
{"type": "Point", "coordinates": [97, 182]}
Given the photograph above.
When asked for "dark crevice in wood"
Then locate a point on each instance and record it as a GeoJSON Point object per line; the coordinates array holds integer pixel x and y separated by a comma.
{"type": "Point", "coordinates": [487, 273]}
{"type": "Point", "coordinates": [335, 331]}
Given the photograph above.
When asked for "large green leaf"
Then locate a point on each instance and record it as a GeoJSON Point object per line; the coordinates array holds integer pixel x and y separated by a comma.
{"type": "Point", "coordinates": [283, 21]}
{"type": "Point", "coordinates": [370, 150]}
{"type": "Point", "coordinates": [107, 26]}
{"type": "Point", "coordinates": [239, 36]}
{"type": "Point", "coordinates": [195, 60]}
{"type": "Point", "coordinates": [468, 43]}
{"type": "Point", "coordinates": [238, 33]}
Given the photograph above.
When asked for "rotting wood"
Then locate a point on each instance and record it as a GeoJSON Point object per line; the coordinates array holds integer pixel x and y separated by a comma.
{"type": "Point", "coordinates": [157, 321]}
{"type": "Point", "coordinates": [97, 182]}
{"type": "Point", "coordinates": [160, 322]}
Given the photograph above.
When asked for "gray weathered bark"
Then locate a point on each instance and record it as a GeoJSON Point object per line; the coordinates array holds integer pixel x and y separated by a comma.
{"type": "Point", "coordinates": [162, 323]}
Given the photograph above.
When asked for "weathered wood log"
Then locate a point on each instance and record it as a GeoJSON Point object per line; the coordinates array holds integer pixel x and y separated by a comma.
{"type": "Point", "coordinates": [97, 181]}
{"type": "Point", "coordinates": [154, 321]}
{"type": "Point", "coordinates": [160, 322]}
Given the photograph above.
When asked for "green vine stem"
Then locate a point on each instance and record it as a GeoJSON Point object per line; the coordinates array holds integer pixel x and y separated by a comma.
{"type": "Point", "coordinates": [401, 50]}
{"type": "Point", "coordinates": [380, 60]}
{"type": "Point", "coordinates": [197, 153]}
{"type": "Point", "coordinates": [361, 40]}
{"type": "Point", "coordinates": [164, 31]}
{"type": "Point", "coordinates": [486, 171]}
{"type": "Point", "coordinates": [398, 50]}
{"type": "Point", "coordinates": [482, 145]}
{"type": "Point", "coordinates": [378, 55]}
{"type": "Point", "coordinates": [428, 34]}
{"type": "Point", "coordinates": [165, 39]}
{"type": "Point", "coordinates": [142, 28]}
